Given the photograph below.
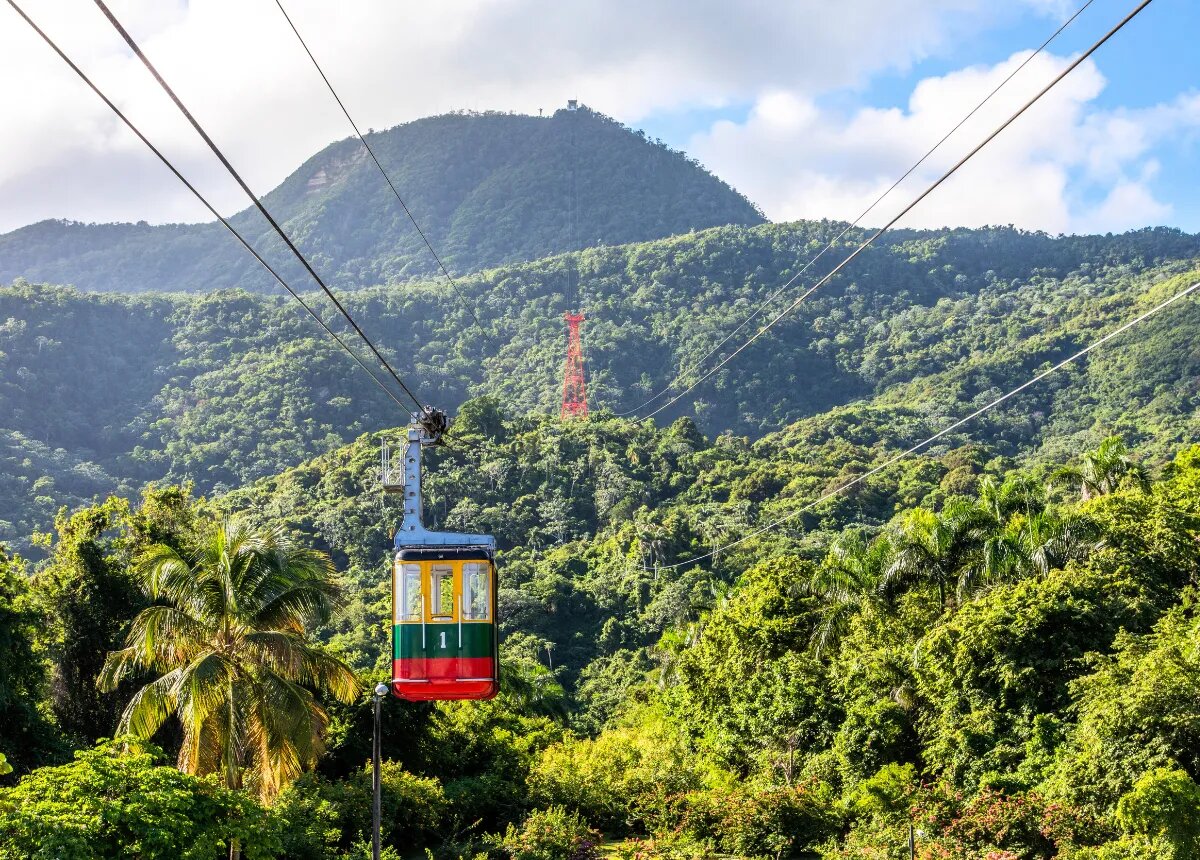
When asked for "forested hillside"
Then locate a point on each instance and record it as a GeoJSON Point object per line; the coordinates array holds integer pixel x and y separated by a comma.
{"type": "Point", "coordinates": [102, 393]}
{"type": "Point", "coordinates": [487, 189]}
{"type": "Point", "coordinates": [1001, 658]}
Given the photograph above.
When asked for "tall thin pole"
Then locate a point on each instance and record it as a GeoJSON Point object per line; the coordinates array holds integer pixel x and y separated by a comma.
{"type": "Point", "coordinates": [376, 785]}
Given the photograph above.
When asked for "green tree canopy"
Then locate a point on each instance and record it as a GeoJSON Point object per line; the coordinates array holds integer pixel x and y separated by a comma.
{"type": "Point", "coordinates": [228, 637]}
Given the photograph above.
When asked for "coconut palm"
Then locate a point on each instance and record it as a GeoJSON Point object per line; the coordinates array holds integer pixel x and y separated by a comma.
{"type": "Point", "coordinates": [228, 638]}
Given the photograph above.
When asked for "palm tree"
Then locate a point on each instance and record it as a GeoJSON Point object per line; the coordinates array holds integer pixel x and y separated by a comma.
{"type": "Point", "coordinates": [1054, 541]}
{"type": "Point", "coordinates": [1019, 493]}
{"type": "Point", "coordinates": [936, 548]}
{"type": "Point", "coordinates": [1028, 545]}
{"type": "Point", "coordinates": [228, 639]}
{"type": "Point", "coordinates": [1003, 556]}
{"type": "Point", "coordinates": [1102, 471]}
{"type": "Point", "coordinates": [847, 584]}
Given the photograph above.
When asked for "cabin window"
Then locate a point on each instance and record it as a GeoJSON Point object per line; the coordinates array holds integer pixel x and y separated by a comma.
{"type": "Point", "coordinates": [476, 595]}
{"type": "Point", "coordinates": [410, 605]}
{"type": "Point", "coordinates": [442, 591]}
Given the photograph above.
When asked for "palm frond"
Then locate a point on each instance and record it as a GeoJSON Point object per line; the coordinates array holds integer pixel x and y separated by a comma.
{"type": "Point", "coordinates": [287, 729]}
{"type": "Point", "coordinates": [150, 707]}
{"type": "Point", "coordinates": [118, 666]}
{"type": "Point", "coordinates": [165, 637]}
{"type": "Point", "coordinates": [828, 633]}
{"type": "Point", "coordinates": [203, 747]}
{"type": "Point", "coordinates": [161, 567]}
{"type": "Point", "coordinates": [298, 604]}
{"type": "Point", "coordinates": [907, 568]}
{"type": "Point", "coordinates": [290, 657]}
{"type": "Point", "coordinates": [204, 686]}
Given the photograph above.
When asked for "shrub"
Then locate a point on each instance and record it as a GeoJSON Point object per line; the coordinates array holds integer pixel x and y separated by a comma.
{"type": "Point", "coordinates": [751, 822]}
{"type": "Point", "coordinates": [622, 779]}
{"type": "Point", "coordinates": [322, 817]}
{"type": "Point", "coordinates": [551, 834]}
{"type": "Point", "coordinates": [1164, 805]}
{"type": "Point", "coordinates": [887, 793]}
{"type": "Point", "coordinates": [673, 846]}
{"type": "Point", "coordinates": [117, 801]}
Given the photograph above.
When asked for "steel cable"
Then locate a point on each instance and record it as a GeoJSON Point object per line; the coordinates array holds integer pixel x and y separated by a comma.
{"type": "Point", "coordinates": [133, 45]}
{"type": "Point", "coordinates": [851, 225]}
{"type": "Point", "coordinates": [387, 178]}
{"type": "Point", "coordinates": [858, 479]}
{"type": "Point", "coordinates": [203, 200]}
{"type": "Point", "coordinates": [929, 190]}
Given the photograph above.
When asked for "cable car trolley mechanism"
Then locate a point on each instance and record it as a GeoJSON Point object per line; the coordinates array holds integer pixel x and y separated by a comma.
{"type": "Point", "coordinates": [444, 643]}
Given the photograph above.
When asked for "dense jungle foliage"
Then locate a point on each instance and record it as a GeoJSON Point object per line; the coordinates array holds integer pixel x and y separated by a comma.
{"type": "Point", "coordinates": [486, 189]}
{"type": "Point", "coordinates": [101, 393]}
{"type": "Point", "coordinates": [1003, 657]}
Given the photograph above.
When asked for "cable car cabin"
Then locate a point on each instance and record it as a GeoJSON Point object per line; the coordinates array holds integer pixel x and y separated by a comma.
{"type": "Point", "coordinates": [444, 643]}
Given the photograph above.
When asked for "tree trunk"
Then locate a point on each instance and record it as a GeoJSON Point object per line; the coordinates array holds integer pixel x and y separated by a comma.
{"type": "Point", "coordinates": [233, 771]}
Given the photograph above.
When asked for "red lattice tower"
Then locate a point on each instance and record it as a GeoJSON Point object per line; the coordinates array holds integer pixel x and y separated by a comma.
{"type": "Point", "coordinates": [574, 403]}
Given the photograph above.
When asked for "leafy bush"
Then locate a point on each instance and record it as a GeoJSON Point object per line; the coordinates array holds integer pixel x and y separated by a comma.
{"type": "Point", "coordinates": [119, 802]}
{"type": "Point", "coordinates": [887, 793]}
{"type": "Point", "coordinates": [623, 779]}
{"type": "Point", "coordinates": [322, 817]}
{"type": "Point", "coordinates": [669, 846]}
{"type": "Point", "coordinates": [1126, 848]}
{"type": "Point", "coordinates": [551, 834]}
{"type": "Point", "coordinates": [750, 822]}
{"type": "Point", "coordinates": [1164, 805]}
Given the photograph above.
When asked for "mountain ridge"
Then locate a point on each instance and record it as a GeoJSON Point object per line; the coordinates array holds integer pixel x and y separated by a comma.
{"type": "Point", "coordinates": [487, 189]}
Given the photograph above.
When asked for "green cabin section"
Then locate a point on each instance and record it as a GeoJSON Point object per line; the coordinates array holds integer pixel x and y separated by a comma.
{"type": "Point", "coordinates": [442, 639]}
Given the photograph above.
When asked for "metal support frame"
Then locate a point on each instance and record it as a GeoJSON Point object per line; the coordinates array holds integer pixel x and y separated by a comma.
{"type": "Point", "coordinates": [407, 480]}
{"type": "Point", "coordinates": [574, 399]}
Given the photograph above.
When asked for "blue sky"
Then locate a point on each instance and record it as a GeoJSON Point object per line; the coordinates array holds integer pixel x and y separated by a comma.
{"type": "Point", "coordinates": [810, 108]}
{"type": "Point", "coordinates": [1152, 60]}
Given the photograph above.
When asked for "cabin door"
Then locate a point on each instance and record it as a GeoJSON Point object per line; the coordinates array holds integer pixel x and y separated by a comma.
{"type": "Point", "coordinates": [443, 648]}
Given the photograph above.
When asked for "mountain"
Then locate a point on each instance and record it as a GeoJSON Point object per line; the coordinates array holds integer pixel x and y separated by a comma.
{"type": "Point", "coordinates": [487, 189]}
{"type": "Point", "coordinates": [105, 392]}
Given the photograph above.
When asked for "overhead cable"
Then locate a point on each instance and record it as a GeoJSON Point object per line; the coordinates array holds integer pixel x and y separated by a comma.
{"type": "Point", "coordinates": [850, 226]}
{"type": "Point", "coordinates": [204, 201]}
{"type": "Point", "coordinates": [862, 247]}
{"type": "Point", "coordinates": [388, 179]}
{"type": "Point", "coordinates": [949, 429]}
{"type": "Point", "coordinates": [133, 45]}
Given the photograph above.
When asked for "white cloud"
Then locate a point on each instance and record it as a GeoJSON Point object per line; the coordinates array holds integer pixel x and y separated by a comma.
{"type": "Point", "coordinates": [1064, 166]}
{"type": "Point", "coordinates": [241, 71]}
